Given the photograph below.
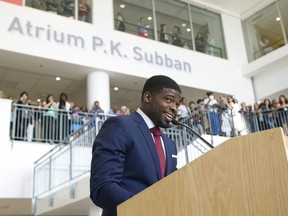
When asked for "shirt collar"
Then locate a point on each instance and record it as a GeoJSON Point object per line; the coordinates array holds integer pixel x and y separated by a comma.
{"type": "Point", "coordinates": [147, 120]}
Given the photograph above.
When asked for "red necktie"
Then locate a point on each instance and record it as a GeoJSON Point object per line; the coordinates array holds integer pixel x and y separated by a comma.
{"type": "Point", "coordinates": [156, 134]}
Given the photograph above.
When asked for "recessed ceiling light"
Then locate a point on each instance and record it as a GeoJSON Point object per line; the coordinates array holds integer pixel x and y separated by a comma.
{"type": "Point", "coordinates": [278, 19]}
{"type": "Point", "coordinates": [149, 18]}
{"type": "Point", "coordinates": [39, 100]}
{"type": "Point", "coordinates": [188, 29]}
{"type": "Point", "coordinates": [183, 24]}
{"type": "Point", "coordinates": [116, 88]}
{"type": "Point", "coordinates": [58, 78]}
{"type": "Point", "coordinates": [122, 5]}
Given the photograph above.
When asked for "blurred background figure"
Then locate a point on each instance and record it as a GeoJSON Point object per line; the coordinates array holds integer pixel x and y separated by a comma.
{"type": "Point", "coordinates": [120, 22]}
{"type": "Point", "coordinates": [84, 11]}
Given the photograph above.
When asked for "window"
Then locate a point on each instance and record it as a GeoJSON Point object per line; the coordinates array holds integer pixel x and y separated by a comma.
{"type": "Point", "coordinates": [66, 8]}
{"type": "Point", "coordinates": [174, 23]}
{"type": "Point", "coordinates": [263, 32]}
{"type": "Point", "coordinates": [173, 26]}
{"type": "Point", "coordinates": [134, 17]}
{"type": "Point", "coordinates": [208, 33]}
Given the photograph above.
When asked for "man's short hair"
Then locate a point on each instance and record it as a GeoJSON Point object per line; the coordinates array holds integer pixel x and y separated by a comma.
{"type": "Point", "coordinates": [156, 84]}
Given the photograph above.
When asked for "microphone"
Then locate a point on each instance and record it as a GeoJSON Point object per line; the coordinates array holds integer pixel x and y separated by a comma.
{"type": "Point", "coordinates": [189, 128]}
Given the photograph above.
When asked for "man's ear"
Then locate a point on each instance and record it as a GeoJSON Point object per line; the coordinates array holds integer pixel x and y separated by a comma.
{"type": "Point", "coordinates": [147, 97]}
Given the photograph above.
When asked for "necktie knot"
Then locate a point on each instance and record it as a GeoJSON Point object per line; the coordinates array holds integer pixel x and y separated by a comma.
{"type": "Point", "coordinates": [156, 131]}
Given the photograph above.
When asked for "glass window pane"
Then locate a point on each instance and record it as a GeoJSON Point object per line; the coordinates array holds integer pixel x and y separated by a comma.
{"type": "Point", "coordinates": [173, 25]}
{"type": "Point", "coordinates": [207, 28]}
{"type": "Point", "coordinates": [263, 32]}
{"type": "Point", "coordinates": [284, 13]}
{"type": "Point", "coordinates": [84, 10]}
{"type": "Point", "coordinates": [67, 8]}
{"type": "Point", "coordinates": [134, 17]}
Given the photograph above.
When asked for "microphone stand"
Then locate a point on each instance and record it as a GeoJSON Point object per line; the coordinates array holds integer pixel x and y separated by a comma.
{"type": "Point", "coordinates": [189, 128]}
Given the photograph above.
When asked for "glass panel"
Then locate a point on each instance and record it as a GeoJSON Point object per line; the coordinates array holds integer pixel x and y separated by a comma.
{"type": "Point", "coordinates": [173, 23]}
{"type": "Point", "coordinates": [65, 8]}
{"type": "Point", "coordinates": [84, 10]}
{"type": "Point", "coordinates": [263, 32]}
{"type": "Point", "coordinates": [135, 17]}
{"type": "Point", "coordinates": [208, 32]}
{"type": "Point", "coordinates": [284, 13]}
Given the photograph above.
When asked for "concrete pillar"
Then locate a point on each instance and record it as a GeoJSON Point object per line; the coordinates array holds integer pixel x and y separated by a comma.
{"type": "Point", "coordinates": [98, 88]}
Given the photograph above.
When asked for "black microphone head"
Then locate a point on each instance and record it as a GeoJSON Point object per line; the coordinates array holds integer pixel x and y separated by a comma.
{"type": "Point", "coordinates": [175, 122]}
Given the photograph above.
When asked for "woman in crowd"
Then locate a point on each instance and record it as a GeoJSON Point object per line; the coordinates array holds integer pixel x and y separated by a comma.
{"type": "Point", "coordinates": [64, 116]}
{"type": "Point", "coordinates": [49, 119]}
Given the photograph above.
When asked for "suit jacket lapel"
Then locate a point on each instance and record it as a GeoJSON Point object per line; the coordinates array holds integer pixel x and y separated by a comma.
{"type": "Point", "coordinates": [149, 141]}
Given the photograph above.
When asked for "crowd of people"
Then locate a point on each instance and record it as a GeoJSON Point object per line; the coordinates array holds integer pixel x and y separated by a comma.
{"type": "Point", "coordinates": [51, 121]}
{"type": "Point", "coordinates": [225, 116]}
{"type": "Point", "coordinates": [205, 44]}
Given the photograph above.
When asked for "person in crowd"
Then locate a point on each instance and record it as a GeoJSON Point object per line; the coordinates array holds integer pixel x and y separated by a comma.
{"type": "Point", "coordinates": [64, 116]}
{"type": "Point", "coordinates": [183, 109]}
{"type": "Point", "coordinates": [276, 115]}
{"type": "Point", "coordinates": [196, 120]}
{"type": "Point", "coordinates": [185, 44]}
{"type": "Point", "coordinates": [49, 119]}
{"type": "Point", "coordinates": [204, 114]}
{"type": "Point", "coordinates": [283, 102]}
{"type": "Point", "coordinates": [225, 115]}
{"type": "Point", "coordinates": [163, 33]}
{"type": "Point", "coordinates": [210, 102]}
{"type": "Point", "coordinates": [142, 28]}
{"type": "Point", "coordinates": [84, 11]}
{"type": "Point", "coordinates": [246, 118]}
{"type": "Point", "coordinates": [114, 111]}
{"type": "Point", "coordinates": [125, 159]}
{"type": "Point", "coordinates": [84, 115]}
{"type": "Point", "coordinates": [76, 119]}
{"type": "Point", "coordinates": [267, 114]}
{"type": "Point", "coordinates": [259, 117]}
{"type": "Point", "coordinates": [176, 36]}
{"type": "Point", "coordinates": [22, 116]}
{"type": "Point", "coordinates": [237, 117]}
{"type": "Point", "coordinates": [120, 26]}
{"type": "Point", "coordinates": [124, 110]}
{"type": "Point", "coordinates": [199, 42]}
{"type": "Point", "coordinates": [2, 95]}
{"type": "Point", "coordinates": [96, 109]}
{"type": "Point", "coordinates": [209, 44]}
{"type": "Point", "coordinates": [265, 44]}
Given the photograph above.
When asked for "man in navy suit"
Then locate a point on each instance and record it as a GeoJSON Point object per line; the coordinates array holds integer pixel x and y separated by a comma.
{"type": "Point", "coordinates": [125, 159]}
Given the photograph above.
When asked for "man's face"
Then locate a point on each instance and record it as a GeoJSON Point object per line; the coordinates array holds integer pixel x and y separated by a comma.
{"type": "Point", "coordinates": [162, 107]}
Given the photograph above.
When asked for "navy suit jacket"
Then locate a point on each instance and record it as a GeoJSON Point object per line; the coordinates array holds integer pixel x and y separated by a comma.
{"type": "Point", "coordinates": [125, 161]}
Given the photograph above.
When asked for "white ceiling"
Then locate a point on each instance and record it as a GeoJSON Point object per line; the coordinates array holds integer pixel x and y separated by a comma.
{"type": "Point", "coordinates": [37, 76]}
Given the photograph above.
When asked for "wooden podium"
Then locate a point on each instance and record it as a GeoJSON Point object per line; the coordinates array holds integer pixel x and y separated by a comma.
{"type": "Point", "coordinates": [244, 176]}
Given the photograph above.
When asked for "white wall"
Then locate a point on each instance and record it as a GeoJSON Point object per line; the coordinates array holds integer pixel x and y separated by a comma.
{"type": "Point", "coordinates": [16, 167]}
{"type": "Point", "coordinates": [207, 72]}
